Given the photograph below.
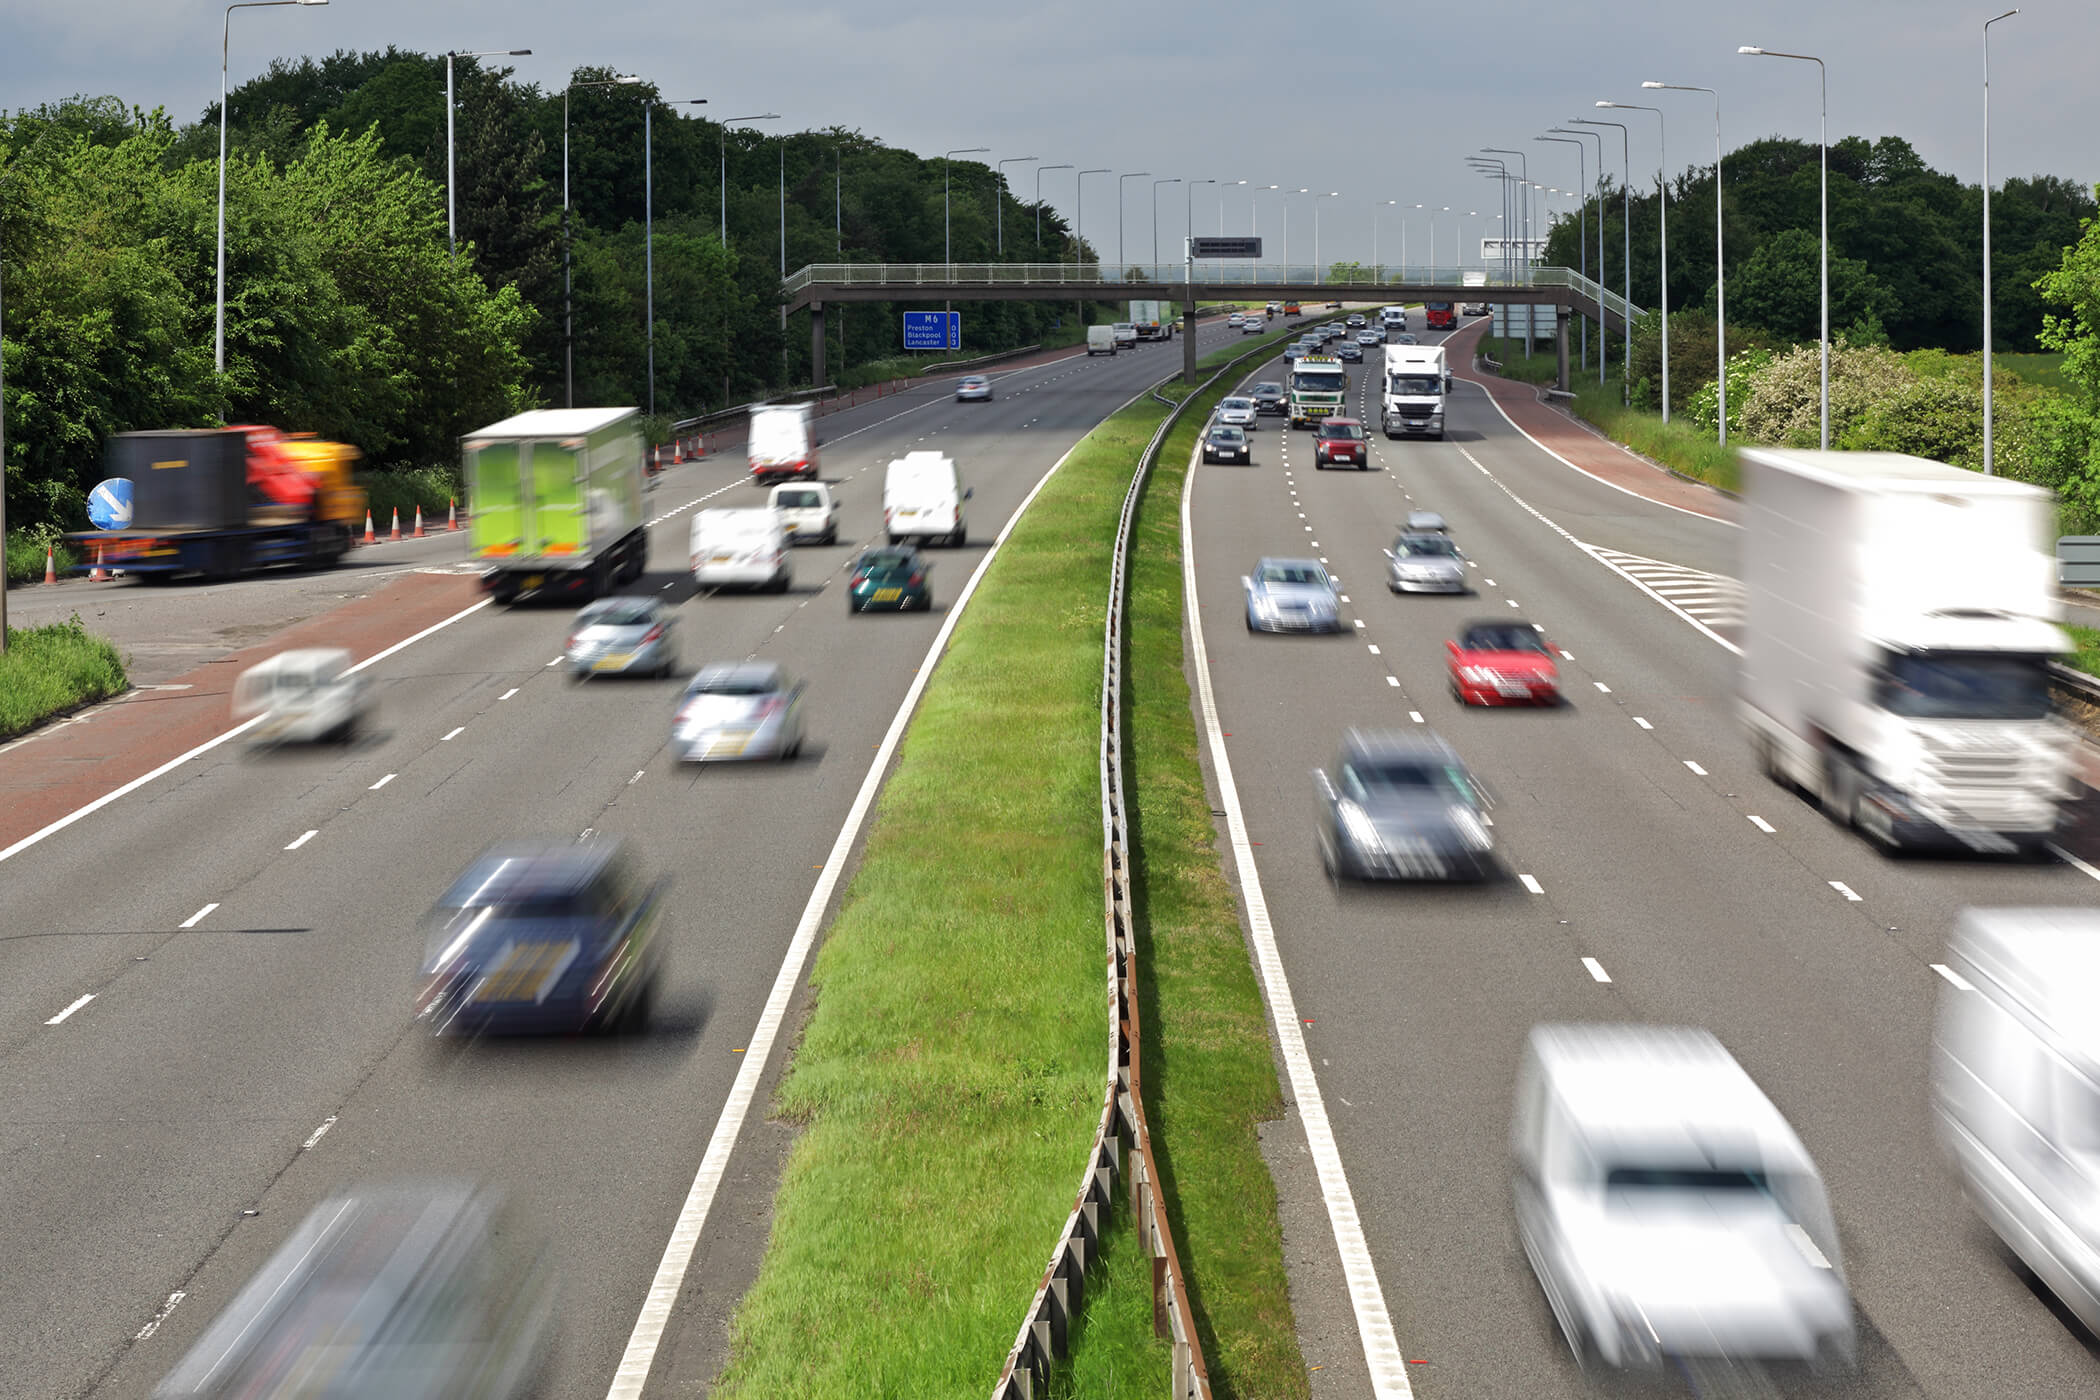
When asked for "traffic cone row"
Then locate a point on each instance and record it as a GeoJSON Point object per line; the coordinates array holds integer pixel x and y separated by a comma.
{"type": "Point", "coordinates": [395, 533]}
{"type": "Point", "coordinates": [451, 513]}
{"type": "Point", "coordinates": [98, 574]}
{"type": "Point", "coordinates": [370, 538]}
{"type": "Point", "coordinates": [419, 520]}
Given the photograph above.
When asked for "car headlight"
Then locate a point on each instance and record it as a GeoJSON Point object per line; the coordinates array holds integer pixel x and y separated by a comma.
{"type": "Point", "coordinates": [1356, 825]}
{"type": "Point", "coordinates": [1470, 829]}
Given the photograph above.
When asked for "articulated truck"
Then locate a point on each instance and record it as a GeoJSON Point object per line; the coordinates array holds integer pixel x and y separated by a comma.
{"type": "Point", "coordinates": [556, 497]}
{"type": "Point", "coordinates": [218, 502]}
{"type": "Point", "coordinates": [1154, 319]}
{"type": "Point", "coordinates": [1899, 620]}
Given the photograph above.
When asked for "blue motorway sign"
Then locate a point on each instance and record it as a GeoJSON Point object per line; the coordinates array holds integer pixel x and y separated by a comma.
{"type": "Point", "coordinates": [933, 330]}
{"type": "Point", "coordinates": [109, 504]}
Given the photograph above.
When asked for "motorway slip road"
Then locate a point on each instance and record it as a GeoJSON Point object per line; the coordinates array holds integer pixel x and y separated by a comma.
{"type": "Point", "coordinates": [237, 942]}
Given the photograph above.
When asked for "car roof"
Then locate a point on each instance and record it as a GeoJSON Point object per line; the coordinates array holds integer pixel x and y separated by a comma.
{"type": "Point", "coordinates": [1661, 1086]}
{"type": "Point", "coordinates": [741, 672]}
{"type": "Point", "coordinates": [1341, 422]}
{"type": "Point", "coordinates": [548, 866]}
{"type": "Point", "coordinates": [1271, 561]}
{"type": "Point", "coordinates": [1396, 743]}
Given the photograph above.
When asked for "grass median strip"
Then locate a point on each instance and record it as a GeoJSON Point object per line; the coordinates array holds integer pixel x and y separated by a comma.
{"type": "Point", "coordinates": [49, 670]}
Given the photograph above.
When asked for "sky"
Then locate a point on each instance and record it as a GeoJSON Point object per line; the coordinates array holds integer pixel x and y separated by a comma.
{"type": "Point", "coordinates": [1377, 102]}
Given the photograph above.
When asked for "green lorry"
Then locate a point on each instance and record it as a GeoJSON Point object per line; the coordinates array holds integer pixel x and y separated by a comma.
{"type": "Point", "coordinates": [555, 502]}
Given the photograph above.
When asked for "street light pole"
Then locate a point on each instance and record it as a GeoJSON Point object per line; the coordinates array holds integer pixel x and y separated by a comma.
{"type": "Point", "coordinates": [649, 231]}
{"type": "Point", "coordinates": [1626, 253]}
{"type": "Point", "coordinates": [999, 194]}
{"type": "Point", "coordinates": [1170, 180]}
{"type": "Point", "coordinates": [1662, 212]}
{"type": "Point", "coordinates": [1582, 227]}
{"type": "Point", "coordinates": [218, 334]}
{"type": "Point", "coordinates": [451, 224]}
{"type": "Point", "coordinates": [1720, 268]}
{"type": "Point", "coordinates": [1823, 82]}
{"type": "Point", "coordinates": [1067, 165]}
{"type": "Point", "coordinates": [1122, 265]}
{"type": "Point", "coordinates": [568, 318]}
{"type": "Point", "coordinates": [1189, 219]}
{"type": "Point", "coordinates": [1319, 268]}
{"type": "Point", "coordinates": [1987, 443]}
{"type": "Point", "coordinates": [1079, 214]}
{"type": "Point", "coordinates": [1378, 267]}
{"type": "Point", "coordinates": [1603, 338]}
{"type": "Point", "coordinates": [723, 153]}
{"type": "Point", "coordinates": [947, 229]}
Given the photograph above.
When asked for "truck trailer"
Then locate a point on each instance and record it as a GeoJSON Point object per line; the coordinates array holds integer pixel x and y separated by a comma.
{"type": "Point", "coordinates": [219, 502]}
{"type": "Point", "coordinates": [1154, 319]}
{"type": "Point", "coordinates": [556, 500]}
{"type": "Point", "coordinates": [1899, 618]}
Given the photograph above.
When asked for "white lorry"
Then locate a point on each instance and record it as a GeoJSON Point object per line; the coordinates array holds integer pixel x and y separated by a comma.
{"type": "Point", "coordinates": [1474, 279]}
{"type": "Point", "coordinates": [1899, 617]}
{"type": "Point", "coordinates": [1154, 319]}
{"type": "Point", "coordinates": [1412, 391]}
{"type": "Point", "coordinates": [922, 499]}
{"type": "Point", "coordinates": [783, 442]}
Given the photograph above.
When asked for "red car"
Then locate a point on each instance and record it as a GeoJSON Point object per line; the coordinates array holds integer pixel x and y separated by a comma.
{"type": "Point", "coordinates": [1341, 442]}
{"type": "Point", "coordinates": [1505, 662]}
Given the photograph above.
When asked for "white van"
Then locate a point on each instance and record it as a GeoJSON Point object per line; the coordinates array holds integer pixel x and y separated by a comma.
{"type": "Point", "coordinates": [302, 697]}
{"type": "Point", "coordinates": [922, 499]}
{"type": "Point", "coordinates": [782, 442]}
{"type": "Point", "coordinates": [2016, 1077]}
{"type": "Point", "coordinates": [1126, 333]}
{"type": "Point", "coordinates": [740, 548]}
{"type": "Point", "coordinates": [808, 511]}
{"type": "Point", "coordinates": [1101, 340]}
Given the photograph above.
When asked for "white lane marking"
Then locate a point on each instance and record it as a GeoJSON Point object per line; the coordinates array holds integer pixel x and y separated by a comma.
{"type": "Point", "coordinates": [1596, 969]}
{"type": "Point", "coordinates": [382, 782]}
{"type": "Point", "coordinates": [162, 1316]}
{"type": "Point", "coordinates": [555, 662]}
{"type": "Point", "coordinates": [1359, 622]}
{"type": "Point", "coordinates": [197, 918]}
{"type": "Point", "coordinates": [1601, 686]}
{"type": "Point", "coordinates": [318, 1133]}
{"type": "Point", "coordinates": [1415, 715]}
{"type": "Point", "coordinates": [302, 840]}
{"type": "Point", "coordinates": [637, 776]}
{"type": "Point", "coordinates": [1566, 655]}
{"type": "Point", "coordinates": [59, 1019]}
{"type": "Point", "coordinates": [1511, 601]}
{"type": "Point", "coordinates": [1954, 979]}
{"type": "Point", "coordinates": [448, 738]}
{"type": "Point", "coordinates": [662, 1298]}
{"type": "Point", "coordinates": [1345, 597]}
{"type": "Point", "coordinates": [1373, 650]}
{"type": "Point", "coordinates": [1762, 825]}
{"type": "Point", "coordinates": [514, 690]}
{"type": "Point", "coordinates": [2081, 866]}
{"type": "Point", "coordinates": [1531, 883]}
{"type": "Point", "coordinates": [1374, 1324]}
{"type": "Point", "coordinates": [1695, 768]}
{"type": "Point", "coordinates": [1846, 890]}
{"type": "Point", "coordinates": [1392, 680]}
{"type": "Point", "coordinates": [1642, 723]}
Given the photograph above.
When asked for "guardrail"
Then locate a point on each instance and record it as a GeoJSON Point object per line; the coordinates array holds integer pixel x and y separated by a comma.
{"type": "Point", "coordinates": [1210, 272]}
{"type": "Point", "coordinates": [2078, 683]}
{"type": "Point", "coordinates": [1122, 1139]}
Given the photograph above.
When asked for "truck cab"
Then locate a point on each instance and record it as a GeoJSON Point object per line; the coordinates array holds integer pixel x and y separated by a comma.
{"type": "Point", "coordinates": [1412, 392]}
{"type": "Point", "coordinates": [1319, 388]}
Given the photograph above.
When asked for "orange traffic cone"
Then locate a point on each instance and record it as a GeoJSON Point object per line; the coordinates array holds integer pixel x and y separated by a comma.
{"type": "Point", "coordinates": [370, 538]}
{"type": "Point", "coordinates": [50, 569]}
{"type": "Point", "coordinates": [98, 574]}
{"type": "Point", "coordinates": [419, 520]}
{"type": "Point", "coordinates": [451, 513]}
{"type": "Point", "coordinates": [395, 533]}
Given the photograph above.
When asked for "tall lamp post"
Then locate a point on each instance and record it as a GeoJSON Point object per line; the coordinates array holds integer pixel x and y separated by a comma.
{"type": "Point", "coordinates": [1287, 192]}
{"type": "Point", "coordinates": [1603, 338]}
{"type": "Point", "coordinates": [1079, 214]}
{"type": "Point", "coordinates": [947, 228]}
{"type": "Point", "coordinates": [568, 316]}
{"type": "Point", "coordinates": [1582, 226]}
{"type": "Point", "coordinates": [1823, 82]}
{"type": "Point", "coordinates": [1626, 252]}
{"type": "Point", "coordinates": [1169, 180]}
{"type": "Point", "coordinates": [1377, 210]}
{"type": "Point", "coordinates": [1720, 269]}
{"type": "Point", "coordinates": [1067, 165]}
{"type": "Point", "coordinates": [649, 231]}
{"type": "Point", "coordinates": [723, 155]}
{"type": "Point", "coordinates": [1523, 212]}
{"type": "Point", "coordinates": [1319, 268]}
{"type": "Point", "coordinates": [1189, 220]}
{"type": "Point", "coordinates": [999, 194]}
{"type": "Point", "coordinates": [218, 333]}
{"type": "Point", "coordinates": [1987, 461]}
{"type": "Point", "coordinates": [451, 223]}
{"type": "Point", "coordinates": [1122, 265]}
{"type": "Point", "coordinates": [1662, 212]}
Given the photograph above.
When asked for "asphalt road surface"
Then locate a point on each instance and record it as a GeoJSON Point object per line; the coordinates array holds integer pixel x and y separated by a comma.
{"type": "Point", "coordinates": [1641, 847]}
{"type": "Point", "coordinates": [246, 927]}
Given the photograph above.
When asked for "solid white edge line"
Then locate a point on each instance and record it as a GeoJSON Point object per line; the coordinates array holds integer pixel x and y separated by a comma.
{"type": "Point", "coordinates": [59, 1019]}
{"type": "Point", "coordinates": [662, 1298]}
{"type": "Point", "coordinates": [2083, 867]}
{"type": "Point", "coordinates": [1373, 1323]}
{"type": "Point", "coordinates": [207, 746]}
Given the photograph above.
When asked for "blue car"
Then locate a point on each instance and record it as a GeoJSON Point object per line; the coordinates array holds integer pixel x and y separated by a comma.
{"type": "Point", "coordinates": [543, 937]}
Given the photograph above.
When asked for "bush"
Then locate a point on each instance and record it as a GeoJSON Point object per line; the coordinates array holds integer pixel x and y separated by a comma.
{"type": "Point", "coordinates": [1703, 408]}
{"type": "Point", "coordinates": [1783, 406]}
{"type": "Point", "coordinates": [49, 670]}
{"type": "Point", "coordinates": [432, 488]}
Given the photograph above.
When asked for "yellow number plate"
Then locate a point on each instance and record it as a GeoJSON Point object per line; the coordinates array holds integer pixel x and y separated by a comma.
{"type": "Point", "coordinates": [534, 580]}
{"type": "Point", "coordinates": [611, 663]}
{"type": "Point", "coordinates": [888, 595]}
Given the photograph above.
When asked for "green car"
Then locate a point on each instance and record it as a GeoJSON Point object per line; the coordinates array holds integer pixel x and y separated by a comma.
{"type": "Point", "coordinates": [892, 577]}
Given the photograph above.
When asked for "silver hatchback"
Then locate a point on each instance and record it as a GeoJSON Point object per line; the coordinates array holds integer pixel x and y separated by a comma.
{"type": "Point", "coordinates": [623, 636]}
{"type": "Point", "coordinates": [1425, 562]}
{"type": "Point", "coordinates": [743, 709]}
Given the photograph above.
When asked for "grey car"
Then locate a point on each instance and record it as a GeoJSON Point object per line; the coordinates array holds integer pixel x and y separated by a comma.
{"type": "Point", "coordinates": [1270, 400]}
{"type": "Point", "coordinates": [1370, 337]}
{"type": "Point", "coordinates": [1291, 595]}
{"type": "Point", "coordinates": [1425, 522]}
{"type": "Point", "coordinates": [1402, 805]}
{"type": "Point", "coordinates": [623, 636]}
{"type": "Point", "coordinates": [1425, 562]}
{"type": "Point", "coordinates": [973, 387]}
{"type": "Point", "coordinates": [1238, 411]}
{"type": "Point", "coordinates": [740, 709]}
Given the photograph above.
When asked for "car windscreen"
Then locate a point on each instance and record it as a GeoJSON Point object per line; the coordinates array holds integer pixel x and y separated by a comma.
{"type": "Point", "coordinates": [1320, 381]}
{"type": "Point", "coordinates": [1949, 685]}
{"type": "Point", "coordinates": [1226, 432]}
{"type": "Point", "coordinates": [1237, 405]}
{"type": "Point", "coordinates": [639, 613]}
{"type": "Point", "coordinates": [884, 563]}
{"type": "Point", "coordinates": [1436, 305]}
{"type": "Point", "coordinates": [797, 500]}
{"type": "Point", "coordinates": [1422, 548]}
{"type": "Point", "coordinates": [1266, 389]}
{"type": "Point", "coordinates": [1403, 777]}
{"type": "Point", "coordinates": [1292, 573]}
{"type": "Point", "coordinates": [736, 683]}
{"type": "Point", "coordinates": [1418, 385]}
{"type": "Point", "coordinates": [1502, 639]}
{"type": "Point", "coordinates": [1342, 432]}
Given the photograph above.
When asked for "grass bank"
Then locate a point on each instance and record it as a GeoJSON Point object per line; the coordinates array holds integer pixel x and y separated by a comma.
{"type": "Point", "coordinates": [25, 555]}
{"type": "Point", "coordinates": [2087, 657]}
{"type": "Point", "coordinates": [1539, 367]}
{"type": "Point", "coordinates": [1678, 445]}
{"type": "Point", "coordinates": [49, 670]}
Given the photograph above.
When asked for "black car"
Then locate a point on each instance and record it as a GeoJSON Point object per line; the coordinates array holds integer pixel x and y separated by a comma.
{"type": "Point", "coordinates": [1349, 351]}
{"type": "Point", "coordinates": [1355, 322]}
{"type": "Point", "coordinates": [539, 937]}
{"type": "Point", "coordinates": [1270, 400]}
{"type": "Point", "coordinates": [1226, 443]}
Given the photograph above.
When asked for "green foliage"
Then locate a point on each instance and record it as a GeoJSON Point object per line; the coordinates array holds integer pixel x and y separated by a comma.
{"type": "Point", "coordinates": [1703, 408]}
{"type": "Point", "coordinates": [26, 557]}
{"type": "Point", "coordinates": [46, 671]}
{"type": "Point", "coordinates": [1680, 444]}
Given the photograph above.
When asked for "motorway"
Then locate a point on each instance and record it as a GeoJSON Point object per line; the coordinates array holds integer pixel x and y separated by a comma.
{"type": "Point", "coordinates": [246, 927]}
{"type": "Point", "coordinates": [1642, 848]}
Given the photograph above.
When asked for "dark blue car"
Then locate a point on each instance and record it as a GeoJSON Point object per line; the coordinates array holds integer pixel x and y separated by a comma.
{"type": "Point", "coordinates": [543, 937]}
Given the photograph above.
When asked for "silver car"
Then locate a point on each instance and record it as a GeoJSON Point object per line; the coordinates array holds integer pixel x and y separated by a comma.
{"type": "Point", "coordinates": [1402, 806]}
{"type": "Point", "coordinates": [623, 636]}
{"type": "Point", "coordinates": [1237, 411]}
{"type": "Point", "coordinates": [741, 709]}
{"type": "Point", "coordinates": [1291, 595]}
{"type": "Point", "coordinates": [1425, 563]}
{"type": "Point", "coordinates": [973, 388]}
{"type": "Point", "coordinates": [1370, 337]}
{"type": "Point", "coordinates": [1425, 522]}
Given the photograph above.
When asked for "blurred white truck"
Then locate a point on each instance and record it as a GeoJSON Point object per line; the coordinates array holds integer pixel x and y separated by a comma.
{"type": "Point", "coordinates": [1412, 391]}
{"type": "Point", "coordinates": [1899, 618]}
{"type": "Point", "coordinates": [783, 442]}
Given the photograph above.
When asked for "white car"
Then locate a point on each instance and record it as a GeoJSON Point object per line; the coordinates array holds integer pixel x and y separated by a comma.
{"type": "Point", "coordinates": [1252, 325]}
{"type": "Point", "coordinates": [1237, 318]}
{"type": "Point", "coordinates": [1238, 412]}
{"type": "Point", "coordinates": [740, 548]}
{"type": "Point", "coordinates": [303, 697]}
{"type": "Point", "coordinates": [973, 388]}
{"type": "Point", "coordinates": [1126, 334]}
{"type": "Point", "coordinates": [1669, 1212]}
{"type": "Point", "coordinates": [807, 510]}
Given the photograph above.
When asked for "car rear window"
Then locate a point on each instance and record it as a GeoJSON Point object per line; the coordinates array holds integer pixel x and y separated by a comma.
{"type": "Point", "coordinates": [1502, 639]}
{"type": "Point", "coordinates": [621, 614]}
{"type": "Point", "coordinates": [737, 683]}
{"type": "Point", "coordinates": [798, 499]}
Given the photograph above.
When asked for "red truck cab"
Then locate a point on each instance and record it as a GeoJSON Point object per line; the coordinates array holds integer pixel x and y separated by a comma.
{"type": "Point", "coordinates": [1439, 315]}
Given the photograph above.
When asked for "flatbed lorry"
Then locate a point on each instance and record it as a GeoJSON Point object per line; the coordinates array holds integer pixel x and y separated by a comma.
{"type": "Point", "coordinates": [555, 498]}
{"type": "Point", "coordinates": [215, 503]}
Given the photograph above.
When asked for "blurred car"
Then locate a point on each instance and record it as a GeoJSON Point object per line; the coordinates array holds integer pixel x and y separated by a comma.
{"type": "Point", "coordinates": [1474, 308]}
{"type": "Point", "coordinates": [807, 510]}
{"type": "Point", "coordinates": [1290, 308]}
{"type": "Point", "coordinates": [2016, 1080]}
{"type": "Point", "coordinates": [539, 937]}
{"type": "Point", "coordinates": [975, 388]}
{"type": "Point", "coordinates": [1503, 662]}
{"type": "Point", "coordinates": [404, 1290]}
{"type": "Point", "coordinates": [1668, 1211]}
{"type": "Point", "coordinates": [1294, 351]}
{"type": "Point", "coordinates": [1253, 325]}
{"type": "Point", "coordinates": [1370, 337]}
{"type": "Point", "coordinates": [738, 710]}
{"type": "Point", "coordinates": [1403, 338]}
{"type": "Point", "coordinates": [302, 696]}
{"type": "Point", "coordinates": [1291, 595]}
{"type": "Point", "coordinates": [1274, 308]}
{"type": "Point", "coordinates": [1126, 334]}
{"type": "Point", "coordinates": [1237, 411]}
{"type": "Point", "coordinates": [1355, 322]}
{"type": "Point", "coordinates": [1270, 401]}
{"type": "Point", "coordinates": [893, 577]}
{"type": "Point", "coordinates": [1224, 442]}
{"type": "Point", "coordinates": [1349, 352]}
{"type": "Point", "coordinates": [1401, 805]}
{"type": "Point", "coordinates": [627, 636]}
{"type": "Point", "coordinates": [740, 547]}
{"type": "Point", "coordinates": [1425, 563]}
{"type": "Point", "coordinates": [1341, 442]}
{"type": "Point", "coordinates": [1237, 318]}
{"type": "Point", "coordinates": [1425, 522]}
